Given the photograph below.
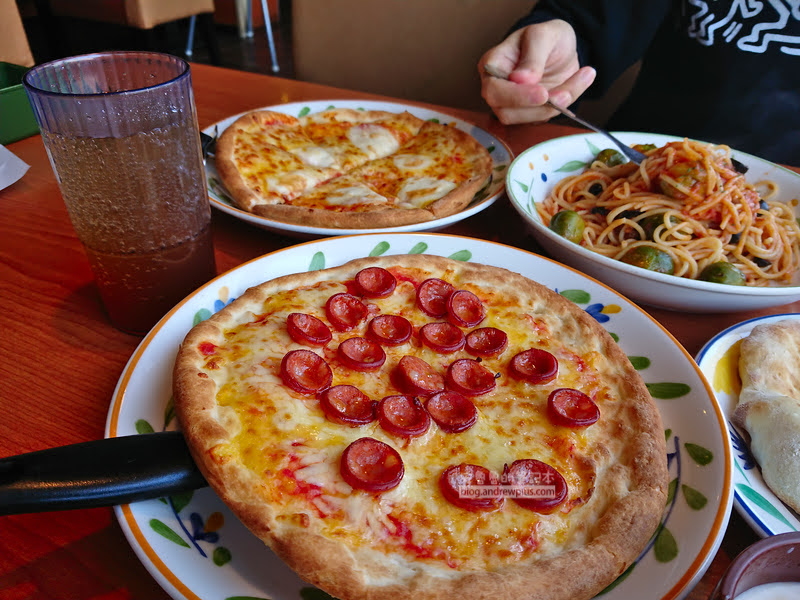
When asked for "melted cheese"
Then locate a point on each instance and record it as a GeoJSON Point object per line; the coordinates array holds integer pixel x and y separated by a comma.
{"type": "Point", "coordinates": [353, 195]}
{"type": "Point", "coordinates": [373, 140]}
{"type": "Point", "coordinates": [316, 156]}
{"type": "Point", "coordinates": [418, 192]}
{"type": "Point", "coordinates": [286, 439]}
{"type": "Point", "coordinates": [276, 174]}
{"type": "Point", "coordinates": [412, 162]}
{"type": "Point", "coordinates": [302, 162]}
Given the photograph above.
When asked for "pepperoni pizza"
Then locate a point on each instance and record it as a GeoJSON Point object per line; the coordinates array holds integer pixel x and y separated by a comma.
{"type": "Point", "coordinates": [416, 427]}
{"type": "Point", "coordinates": [346, 168]}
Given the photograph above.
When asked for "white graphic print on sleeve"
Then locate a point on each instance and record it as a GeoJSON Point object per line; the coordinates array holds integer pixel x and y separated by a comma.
{"type": "Point", "coordinates": [752, 24]}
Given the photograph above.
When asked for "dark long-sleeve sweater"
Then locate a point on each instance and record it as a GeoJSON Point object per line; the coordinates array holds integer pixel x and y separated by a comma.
{"type": "Point", "coordinates": [723, 71]}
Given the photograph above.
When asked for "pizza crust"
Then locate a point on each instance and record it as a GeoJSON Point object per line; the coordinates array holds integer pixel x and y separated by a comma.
{"type": "Point", "coordinates": [769, 404]}
{"type": "Point", "coordinates": [284, 187]}
{"type": "Point", "coordinates": [314, 217]}
{"type": "Point", "coordinates": [631, 462]}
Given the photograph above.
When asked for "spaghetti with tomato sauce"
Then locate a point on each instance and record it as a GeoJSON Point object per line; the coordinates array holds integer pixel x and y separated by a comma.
{"type": "Point", "coordinates": [688, 203]}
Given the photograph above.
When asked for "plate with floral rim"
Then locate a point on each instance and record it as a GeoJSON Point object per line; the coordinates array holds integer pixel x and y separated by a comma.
{"type": "Point", "coordinates": [719, 361]}
{"type": "Point", "coordinates": [198, 550]}
{"type": "Point", "coordinates": [500, 153]}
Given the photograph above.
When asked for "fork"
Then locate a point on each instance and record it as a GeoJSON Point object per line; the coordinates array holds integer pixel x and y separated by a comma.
{"type": "Point", "coordinates": [208, 143]}
{"type": "Point", "coordinates": [633, 155]}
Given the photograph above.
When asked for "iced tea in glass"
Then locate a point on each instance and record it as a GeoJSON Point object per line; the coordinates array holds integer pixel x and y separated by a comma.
{"type": "Point", "coordinates": [121, 132]}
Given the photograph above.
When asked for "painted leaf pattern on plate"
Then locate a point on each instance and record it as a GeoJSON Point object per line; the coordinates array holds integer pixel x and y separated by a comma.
{"type": "Point", "coordinates": [162, 529]}
{"type": "Point", "coordinates": [702, 456]}
{"type": "Point", "coordinates": [668, 390]}
{"type": "Point", "coordinates": [762, 503]}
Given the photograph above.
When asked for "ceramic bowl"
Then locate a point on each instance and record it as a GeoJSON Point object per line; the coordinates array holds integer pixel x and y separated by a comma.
{"type": "Point", "coordinates": [534, 173]}
{"type": "Point", "coordinates": [773, 559]}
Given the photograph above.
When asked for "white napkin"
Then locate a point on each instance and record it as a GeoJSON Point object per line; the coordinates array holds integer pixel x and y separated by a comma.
{"type": "Point", "coordinates": [11, 168]}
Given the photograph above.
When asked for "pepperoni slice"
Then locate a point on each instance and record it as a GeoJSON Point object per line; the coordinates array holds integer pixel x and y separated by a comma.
{"type": "Point", "coordinates": [470, 377]}
{"type": "Point", "coordinates": [415, 376]}
{"type": "Point", "coordinates": [371, 465]}
{"type": "Point", "coordinates": [539, 486]}
{"type": "Point", "coordinates": [442, 337]}
{"type": "Point", "coordinates": [432, 297]}
{"type": "Point", "coordinates": [348, 405]}
{"type": "Point", "coordinates": [453, 412]}
{"type": "Point", "coordinates": [375, 282]}
{"type": "Point", "coordinates": [305, 372]}
{"type": "Point", "coordinates": [389, 330]}
{"type": "Point", "coordinates": [307, 329]}
{"type": "Point", "coordinates": [344, 311]}
{"type": "Point", "coordinates": [486, 341]}
{"type": "Point", "coordinates": [571, 408]}
{"type": "Point", "coordinates": [361, 354]}
{"type": "Point", "coordinates": [470, 487]}
{"type": "Point", "coordinates": [403, 415]}
{"type": "Point", "coordinates": [465, 309]}
{"type": "Point", "coordinates": [534, 366]}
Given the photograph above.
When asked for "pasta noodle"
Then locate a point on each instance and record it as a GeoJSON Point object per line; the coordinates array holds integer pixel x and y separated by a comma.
{"type": "Point", "coordinates": [687, 200]}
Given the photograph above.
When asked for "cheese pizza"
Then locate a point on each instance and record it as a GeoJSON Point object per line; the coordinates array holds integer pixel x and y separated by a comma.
{"type": "Point", "coordinates": [416, 427]}
{"type": "Point", "coordinates": [346, 168]}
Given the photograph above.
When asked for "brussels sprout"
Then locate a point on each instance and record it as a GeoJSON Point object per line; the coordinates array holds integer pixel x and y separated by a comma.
{"type": "Point", "coordinates": [686, 174]}
{"type": "Point", "coordinates": [651, 223]}
{"type": "Point", "coordinates": [610, 157]}
{"type": "Point", "coordinates": [649, 258]}
{"type": "Point", "coordinates": [722, 272]}
{"type": "Point", "coordinates": [568, 224]}
{"type": "Point", "coordinates": [644, 148]}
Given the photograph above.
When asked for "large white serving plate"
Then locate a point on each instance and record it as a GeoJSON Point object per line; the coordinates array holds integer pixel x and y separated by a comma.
{"type": "Point", "coordinates": [500, 153]}
{"type": "Point", "coordinates": [196, 549]}
{"type": "Point", "coordinates": [534, 173]}
{"type": "Point", "coordinates": [719, 361]}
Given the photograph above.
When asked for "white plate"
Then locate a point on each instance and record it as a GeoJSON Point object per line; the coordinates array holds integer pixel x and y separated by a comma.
{"type": "Point", "coordinates": [500, 153]}
{"type": "Point", "coordinates": [534, 173]}
{"type": "Point", "coordinates": [719, 360]}
{"type": "Point", "coordinates": [202, 530]}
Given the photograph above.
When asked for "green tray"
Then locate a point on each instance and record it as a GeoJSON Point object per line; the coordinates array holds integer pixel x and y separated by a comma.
{"type": "Point", "coordinates": [16, 116]}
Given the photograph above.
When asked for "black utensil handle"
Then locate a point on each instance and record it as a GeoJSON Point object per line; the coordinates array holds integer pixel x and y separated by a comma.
{"type": "Point", "coordinates": [99, 473]}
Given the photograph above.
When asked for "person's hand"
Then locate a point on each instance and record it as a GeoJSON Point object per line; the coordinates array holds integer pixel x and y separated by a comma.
{"type": "Point", "coordinates": [540, 62]}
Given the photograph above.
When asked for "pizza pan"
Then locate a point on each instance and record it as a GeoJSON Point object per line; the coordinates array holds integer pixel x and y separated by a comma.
{"type": "Point", "coordinates": [758, 505]}
{"type": "Point", "coordinates": [198, 550]}
{"type": "Point", "coordinates": [535, 172]}
{"type": "Point", "coordinates": [501, 159]}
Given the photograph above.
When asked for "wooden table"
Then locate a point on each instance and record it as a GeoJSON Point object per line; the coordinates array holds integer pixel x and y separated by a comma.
{"type": "Point", "coordinates": [60, 358]}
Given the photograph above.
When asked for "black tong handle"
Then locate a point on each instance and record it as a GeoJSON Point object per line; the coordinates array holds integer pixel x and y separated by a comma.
{"type": "Point", "coordinates": [99, 473]}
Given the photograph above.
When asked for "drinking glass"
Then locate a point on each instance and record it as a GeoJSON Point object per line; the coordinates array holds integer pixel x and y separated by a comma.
{"type": "Point", "coordinates": [121, 132]}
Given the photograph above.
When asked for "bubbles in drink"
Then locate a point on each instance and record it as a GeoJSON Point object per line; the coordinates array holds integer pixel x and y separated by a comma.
{"type": "Point", "coordinates": [139, 205]}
